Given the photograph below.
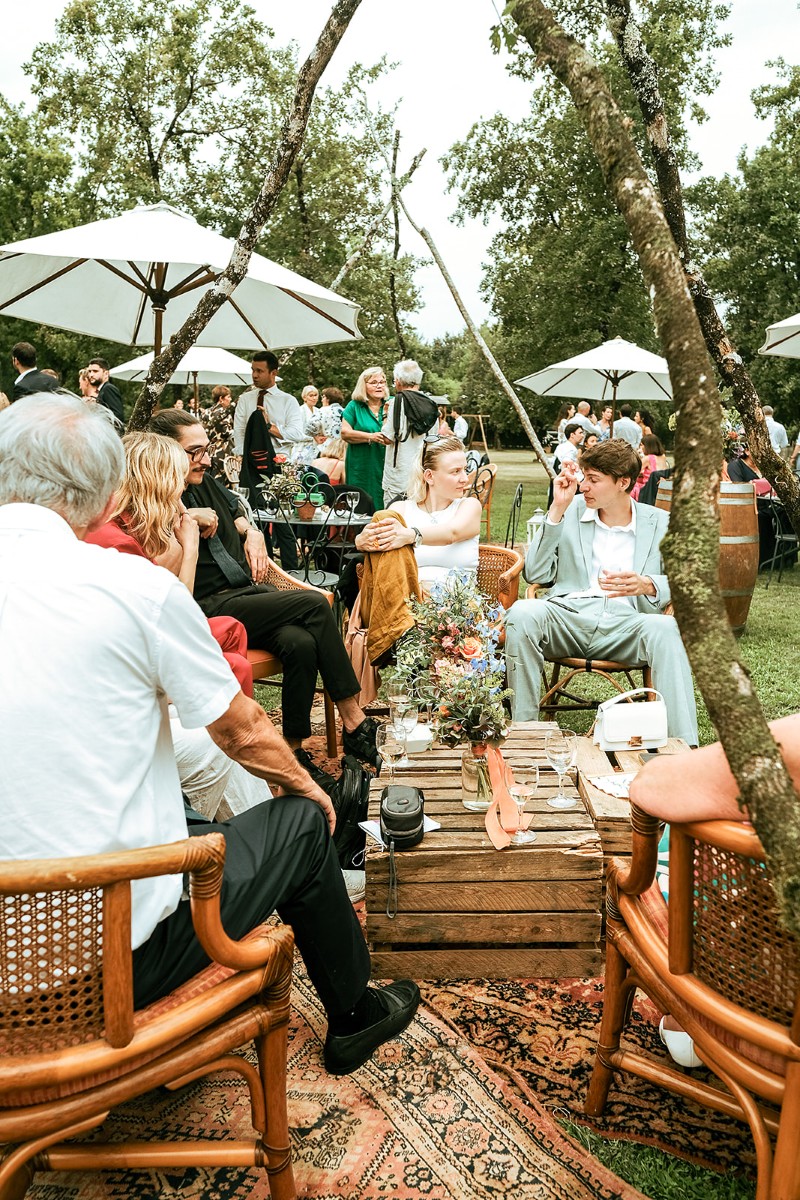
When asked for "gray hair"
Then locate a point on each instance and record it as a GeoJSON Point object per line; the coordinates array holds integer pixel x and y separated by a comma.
{"type": "Point", "coordinates": [408, 372]}
{"type": "Point", "coordinates": [61, 453]}
{"type": "Point", "coordinates": [767, 410]}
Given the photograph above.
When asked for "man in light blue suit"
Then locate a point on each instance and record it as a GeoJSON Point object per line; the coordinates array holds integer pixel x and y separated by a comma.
{"type": "Point", "coordinates": [601, 551]}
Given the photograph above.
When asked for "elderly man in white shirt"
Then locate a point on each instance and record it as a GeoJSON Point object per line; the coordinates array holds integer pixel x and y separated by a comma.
{"type": "Point", "coordinates": [777, 432]}
{"type": "Point", "coordinates": [581, 418]}
{"type": "Point", "coordinates": [405, 447]}
{"type": "Point", "coordinates": [91, 645]}
{"type": "Point", "coordinates": [282, 411]}
{"type": "Point", "coordinates": [600, 553]}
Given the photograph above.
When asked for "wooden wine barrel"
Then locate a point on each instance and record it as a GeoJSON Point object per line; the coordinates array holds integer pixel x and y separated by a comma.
{"type": "Point", "coordinates": [738, 545]}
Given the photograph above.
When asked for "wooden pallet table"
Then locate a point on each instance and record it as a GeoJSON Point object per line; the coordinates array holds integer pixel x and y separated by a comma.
{"type": "Point", "coordinates": [611, 814]}
{"type": "Point", "coordinates": [466, 910]}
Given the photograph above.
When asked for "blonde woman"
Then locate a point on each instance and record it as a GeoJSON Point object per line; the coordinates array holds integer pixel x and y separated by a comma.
{"type": "Point", "coordinates": [331, 459]}
{"type": "Point", "coordinates": [150, 521]}
{"type": "Point", "coordinates": [361, 431]}
{"type": "Point", "coordinates": [442, 523]}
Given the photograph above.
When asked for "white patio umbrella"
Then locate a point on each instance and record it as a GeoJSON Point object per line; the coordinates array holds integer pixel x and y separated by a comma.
{"type": "Point", "coordinates": [200, 364]}
{"type": "Point", "coordinates": [135, 279]}
{"type": "Point", "coordinates": [783, 338]}
{"type": "Point", "coordinates": [616, 372]}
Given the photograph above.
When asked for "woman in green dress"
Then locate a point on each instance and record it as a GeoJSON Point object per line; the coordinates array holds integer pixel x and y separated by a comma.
{"type": "Point", "coordinates": [361, 432]}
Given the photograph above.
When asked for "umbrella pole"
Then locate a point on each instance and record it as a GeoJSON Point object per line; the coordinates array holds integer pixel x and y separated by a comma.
{"type": "Point", "coordinates": [613, 406]}
{"type": "Point", "coordinates": [196, 394]}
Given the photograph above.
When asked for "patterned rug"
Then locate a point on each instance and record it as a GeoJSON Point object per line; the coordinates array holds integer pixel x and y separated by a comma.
{"type": "Point", "coordinates": [543, 1033]}
{"type": "Point", "coordinates": [426, 1119]}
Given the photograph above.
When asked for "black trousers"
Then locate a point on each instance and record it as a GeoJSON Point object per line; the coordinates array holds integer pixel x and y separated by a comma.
{"type": "Point", "coordinates": [278, 856]}
{"type": "Point", "coordinates": [299, 628]}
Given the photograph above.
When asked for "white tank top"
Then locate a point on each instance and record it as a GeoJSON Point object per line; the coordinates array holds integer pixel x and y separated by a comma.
{"type": "Point", "coordinates": [434, 563]}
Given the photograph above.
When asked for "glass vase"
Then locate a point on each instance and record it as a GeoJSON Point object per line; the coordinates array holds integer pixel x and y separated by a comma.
{"type": "Point", "coordinates": [476, 787]}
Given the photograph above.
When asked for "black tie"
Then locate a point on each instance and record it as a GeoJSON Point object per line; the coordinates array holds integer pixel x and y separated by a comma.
{"type": "Point", "coordinates": [233, 572]}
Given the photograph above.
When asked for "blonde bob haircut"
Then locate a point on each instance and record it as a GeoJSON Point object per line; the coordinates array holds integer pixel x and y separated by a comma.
{"type": "Point", "coordinates": [360, 390]}
{"type": "Point", "coordinates": [155, 476]}
{"type": "Point", "coordinates": [431, 453]}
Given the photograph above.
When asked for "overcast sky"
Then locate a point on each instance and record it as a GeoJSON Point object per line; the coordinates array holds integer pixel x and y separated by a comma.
{"type": "Point", "coordinates": [447, 79]}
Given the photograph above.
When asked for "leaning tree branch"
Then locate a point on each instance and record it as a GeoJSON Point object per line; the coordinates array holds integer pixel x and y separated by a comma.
{"type": "Point", "coordinates": [401, 341]}
{"type": "Point", "coordinates": [643, 74]}
{"type": "Point", "coordinates": [224, 285]}
{"type": "Point", "coordinates": [478, 337]}
{"type": "Point", "coordinates": [691, 548]}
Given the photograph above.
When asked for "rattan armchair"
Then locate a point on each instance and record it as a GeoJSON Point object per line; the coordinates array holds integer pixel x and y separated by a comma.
{"type": "Point", "coordinates": [72, 1047]}
{"type": "Point", "coordinates": [717, 959]}
{"type": "Point", "coordinates": [265, 665]}
{"type": "Point", "coordinates": [499, 569]}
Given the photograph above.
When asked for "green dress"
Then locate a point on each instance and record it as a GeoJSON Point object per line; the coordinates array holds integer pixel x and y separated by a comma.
{"type": "Point", "coordinates": [363, 462]}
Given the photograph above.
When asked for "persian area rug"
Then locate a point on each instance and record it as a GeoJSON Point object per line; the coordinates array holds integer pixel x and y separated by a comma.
{"type": "Point", "coordinates": [426, 1119]}
{"type": "Point", "coordinates": [544, 1032]}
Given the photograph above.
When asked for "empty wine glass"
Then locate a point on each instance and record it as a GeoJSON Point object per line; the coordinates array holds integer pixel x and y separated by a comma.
{"type": "Point", "coordinates": [522, 789]}
{"type": "Point", "coordinates": [391, 744]}
{"type": "Point", "coordinates": [351, 500]}
{"type": "Point", "coordinates": [561, 751]}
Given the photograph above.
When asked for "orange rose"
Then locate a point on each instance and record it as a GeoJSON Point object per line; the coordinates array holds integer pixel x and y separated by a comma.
{"type": "Point", "coordinates": [471, 647]}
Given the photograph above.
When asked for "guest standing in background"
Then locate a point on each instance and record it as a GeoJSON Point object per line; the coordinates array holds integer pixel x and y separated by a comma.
{"type": "Point", "coordinates": [361, 432]}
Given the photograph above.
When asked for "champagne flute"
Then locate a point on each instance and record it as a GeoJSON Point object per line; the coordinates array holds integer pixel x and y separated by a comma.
{"type": "Point", "coordinates": [391, 744]}
{"type": "Point", "coordinates": [521, 790]}
{"type": "Point", "coordinates": [561, 751]}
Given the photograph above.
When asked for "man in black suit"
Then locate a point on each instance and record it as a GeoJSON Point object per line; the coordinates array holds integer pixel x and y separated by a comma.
{"type": "Point", "coordinates": [108, 394]}
{"type": "Point", "coordinates": [23, 359]}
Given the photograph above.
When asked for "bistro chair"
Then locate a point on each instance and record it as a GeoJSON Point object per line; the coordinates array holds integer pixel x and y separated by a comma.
{"type": "Point", "coordinates": [716, 958]}
{"type": "Point", "coordinates": [514, 515]}
{"type": "Point", "coordinates": [72, 1046]}
{"type": "Point", "coordinates": [785, 540]}
{"type": "Point", "coordinates": [480, 483]}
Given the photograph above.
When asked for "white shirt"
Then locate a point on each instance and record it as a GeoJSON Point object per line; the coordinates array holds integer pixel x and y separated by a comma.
{"type": "Point", "coordinates": [777, 434]}
{"type": "Point", "coordinates": [91, 644]}
{"type": "Point", "coordinates": [396, 473]}
{"type": "Point", "coordinates": [435, 563]}
{"type": "Point", "coordinates": [613, 548]}
{"type": "Point", "coordinates": [282, 410]}
{"type": "Point", "coordinates": [460, 427]}
{"type": "Point", "coordinates": [580, 419]}
{"type": "Point", "coordinates": [566, 452]}
{"type": "Point", "coordinates": [628, 430]}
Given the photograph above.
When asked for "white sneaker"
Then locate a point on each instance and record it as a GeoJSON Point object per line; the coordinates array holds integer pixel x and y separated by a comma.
{"type": "Point", "coordinates": [680, 1045]}
{"type": "Point", "coordinates": [356, 884]}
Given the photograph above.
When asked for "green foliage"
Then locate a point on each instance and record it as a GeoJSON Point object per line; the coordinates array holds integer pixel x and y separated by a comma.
{"type": "Point", "coordinates": [748, 231]}
{"type": "Point", "coordinates": [137, 102]}
{"type": "Point", "coordinates": [562, 276]}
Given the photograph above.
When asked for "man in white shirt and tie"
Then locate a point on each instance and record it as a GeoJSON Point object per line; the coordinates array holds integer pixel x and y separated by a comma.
{"type": "Point", "coordinates": [282, 410]}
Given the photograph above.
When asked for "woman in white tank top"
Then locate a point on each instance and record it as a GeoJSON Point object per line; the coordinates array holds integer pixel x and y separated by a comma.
{"type": "Point", "coordinates": [441, 522]}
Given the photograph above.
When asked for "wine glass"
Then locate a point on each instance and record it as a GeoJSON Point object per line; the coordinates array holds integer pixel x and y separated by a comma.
{"type": "Point", "coordinates": [561, 751]}
{"type": "Point", "coordinates": [403, 715]}
{"type": "Point", "coordinates": [611, 568]}
{"type": "Point", "coordinates": [391, 744]}
{"type": "Point", "coordinates": [351, 500]}
{"type": "Point", "coordinates": [521, 789]}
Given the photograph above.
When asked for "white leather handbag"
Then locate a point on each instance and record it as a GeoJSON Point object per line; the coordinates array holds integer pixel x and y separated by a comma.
{"type": "Point", "coordinates": [624, 726]}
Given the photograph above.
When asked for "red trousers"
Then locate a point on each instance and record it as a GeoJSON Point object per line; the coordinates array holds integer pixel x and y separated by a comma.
{"type": "Point", "coordinates": [232, 637]}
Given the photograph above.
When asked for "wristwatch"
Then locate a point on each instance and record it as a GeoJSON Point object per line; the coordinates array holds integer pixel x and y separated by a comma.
{"type": "Point", "coordinates": [417, 535]}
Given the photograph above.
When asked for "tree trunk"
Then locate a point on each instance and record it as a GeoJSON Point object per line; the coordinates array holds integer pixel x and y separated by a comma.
{"type": "Point", "coordinates": [643, 74]}
{"type": "Point", "coordinates": [396, 250]}
{"type": "Point", "coordinates": [691, 548]}
{"type": "Point", "coordinates": [288, 146]}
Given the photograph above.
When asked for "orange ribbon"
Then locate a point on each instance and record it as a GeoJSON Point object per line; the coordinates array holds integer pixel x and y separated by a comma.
{"type": "Point", "coordinates": [502, 813]}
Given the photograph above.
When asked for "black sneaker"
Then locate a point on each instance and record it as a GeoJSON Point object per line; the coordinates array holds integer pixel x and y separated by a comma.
{"type": "Point", "coordinates": [321, 778]}
{"type": "Point", "coordinates": [361, 742]}
{"type": "Point", "coordinates": [347, 1052]}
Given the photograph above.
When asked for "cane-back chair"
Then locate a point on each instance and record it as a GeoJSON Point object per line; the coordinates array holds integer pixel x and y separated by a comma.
{"type": "Point", "coordinates": [499, 569]}
{"type": "Point", "coordinates": [72, 1047]}
{"type": "Point", "coordinates": [265, 665]}
{"type": "Point", "coordinates": [561, 694]}
{"type": "Point", "coordinates": [718, 960]}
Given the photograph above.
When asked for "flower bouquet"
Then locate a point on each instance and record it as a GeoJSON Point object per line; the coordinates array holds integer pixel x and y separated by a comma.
{"type": "Point", "coordinates": [450, 662]}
